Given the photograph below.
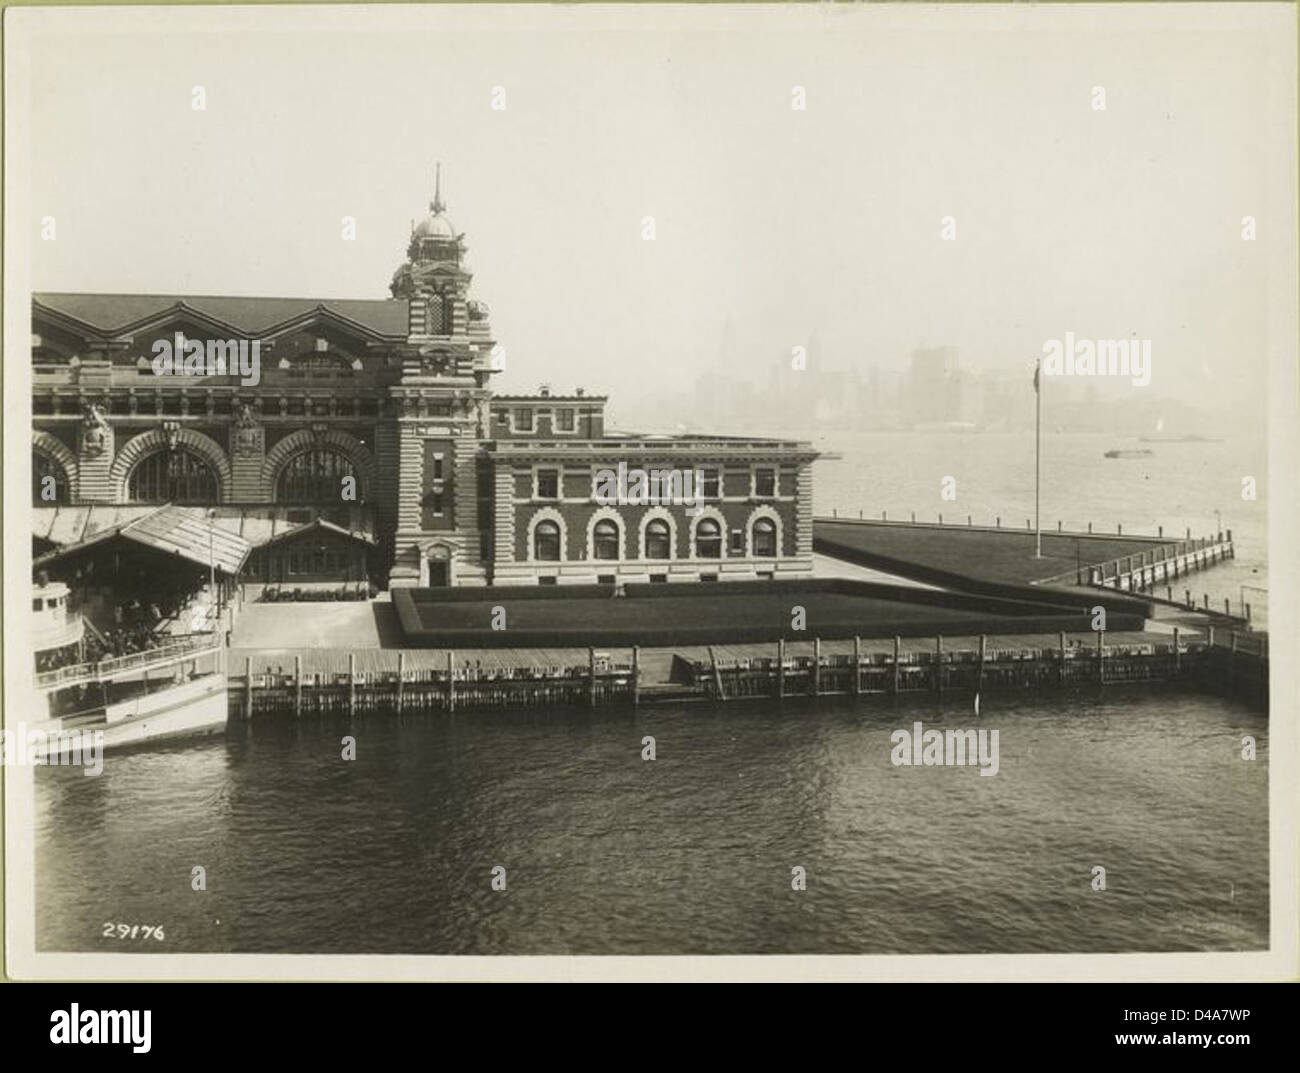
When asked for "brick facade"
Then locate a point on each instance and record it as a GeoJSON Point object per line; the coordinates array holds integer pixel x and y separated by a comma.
{"type": "Point", "coordinates": [393, 393]}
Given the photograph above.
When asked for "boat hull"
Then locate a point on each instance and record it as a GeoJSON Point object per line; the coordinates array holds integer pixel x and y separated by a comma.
{"type": "Point", "coordinates": [197, 708]}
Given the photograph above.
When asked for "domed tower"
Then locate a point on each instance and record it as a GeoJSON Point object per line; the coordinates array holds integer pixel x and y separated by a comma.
{"type": "Point", "coordinates": [440, 411]}
{"type": "Point", "coordinates": [435, 279]}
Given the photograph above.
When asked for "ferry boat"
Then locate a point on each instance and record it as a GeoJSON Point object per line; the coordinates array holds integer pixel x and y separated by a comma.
{"type": "Point", "coordinates": [176, 690]}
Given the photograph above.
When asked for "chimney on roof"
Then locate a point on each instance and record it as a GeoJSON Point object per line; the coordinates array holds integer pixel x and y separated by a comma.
{"type": "Point", "coordinates": [578, 391]}
{"type": "Point", "coordinates": [544, 390]}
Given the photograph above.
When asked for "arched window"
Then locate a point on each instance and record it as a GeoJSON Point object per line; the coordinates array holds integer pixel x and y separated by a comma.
{"type": "Point", "coordinates": [315, 476]}
{"type": "Point", "coordinates": [49, 481]}
{"type": "Point", "coordinates": [178, 476]}
{"type": "Point", "coordinates": [604, 539]}
{"type": "Point", "coordinates": [658, 540]}
{"type": "Point", "coordinates": [764, 538]}
{"type": "Point", "coordinates": [708, 539]}
{"type": "Point", "coordinates": [546, 542]}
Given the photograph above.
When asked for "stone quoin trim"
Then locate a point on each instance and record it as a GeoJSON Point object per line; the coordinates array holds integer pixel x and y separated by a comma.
{"type": "Point", "coordinates": [376, 387]}
{"type": "Point", "coordinates": [547, 514]}
{"type": "Point", "coordinates": [771, 515]}
{"type": "Point", "coordinates": [56, 450]}
{"type": "Point", "coordinates": [602, 514]}
{"type": "Point", "coordinates": [657, 514]}
{"type": "Point", "coordinates": [723, 531]}
{"type": "Point", "coordinates": [139, 447]}
{"type": "Point", "coordinates": [303, 440]}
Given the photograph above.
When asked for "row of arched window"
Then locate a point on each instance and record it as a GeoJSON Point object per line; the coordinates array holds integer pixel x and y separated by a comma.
{"type": "Point", "coordinates": [183, 476]}
{"type": "Point", "coordinates": [606, 537]}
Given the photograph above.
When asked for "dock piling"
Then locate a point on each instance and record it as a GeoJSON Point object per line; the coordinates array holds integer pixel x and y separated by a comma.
{"type": "Point", "coordinates": [780, 668]}
{"type": "Point", "coordinates": [636, 675]}
{"type": "Point", "coordinates": [297, 687]}
{"type": "Point", "coordinates": [938, 664]}
{"type": "Point", "coordinates": [857, 665]}
{"type": "Point", "coordinates": [717, 677]}
{"type": "Point", "coordinates": [401, 679]}
{"type": "Point", "coordinates": [352, 684]}
{"type": "Point", "coordinates": [451, 680]}
{"type": "Point", "coordinates": [248, 687]}
{"type": "Point", "coordinates": [897, 647]}
{"type": "Point", "coordinates": [817, 667]}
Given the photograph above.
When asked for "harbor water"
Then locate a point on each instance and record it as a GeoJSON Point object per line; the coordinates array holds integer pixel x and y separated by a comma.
{"type": "Point", "coordinates": [605, 852]}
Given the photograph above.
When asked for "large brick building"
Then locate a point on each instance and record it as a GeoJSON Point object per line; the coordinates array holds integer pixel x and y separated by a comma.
{"type": "Point", "coordinates": [371, 436]}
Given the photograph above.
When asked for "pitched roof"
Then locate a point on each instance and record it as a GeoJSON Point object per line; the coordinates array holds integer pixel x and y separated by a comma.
{"type": "Point", "coordinates": [183, 531]}
{"type": "Point", "coordinates": [113, 313]}
{"type": "Point", "coordinates": [318, 523]}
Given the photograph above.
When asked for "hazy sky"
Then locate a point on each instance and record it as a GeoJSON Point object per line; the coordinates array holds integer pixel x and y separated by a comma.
{"type": "Point", "coordinates": [1117, 223]}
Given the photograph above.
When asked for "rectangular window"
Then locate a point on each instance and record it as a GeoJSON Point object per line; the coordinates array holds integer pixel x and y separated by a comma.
{"type": "Point", "coordinates": [712, 479]}
{"type": "Point", "coordinates": [437, 467]}
{"type": "Point", "coordinates": [524, 419]}
{"type": "Point", "coordinates": [658, 579]}
{"type": "Point", "coordinates": [605, 579]}
{"type": "Point", "coordinates": [765, 483]}
{"type": "Point", "coordinates": [293, 563]}
{"type": "Point", "coordinates": [436, 504]}
{"type": "Point", "coordinates": [36, 605]}
{"type": "Point", "coordinates": [738, 542]}
{"type": "Point", "coordinates": [546, 581]}
{"type": "Point", "coordinates": [565, 420]}
{"type": "Point", "coordinates": [548, 484]}
{"type": "Point", "coordinates": [708, 577]}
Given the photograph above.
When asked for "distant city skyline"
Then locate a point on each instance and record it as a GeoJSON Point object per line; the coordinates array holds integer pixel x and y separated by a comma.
{"type": "Point", "coordinates": [1065, 217]}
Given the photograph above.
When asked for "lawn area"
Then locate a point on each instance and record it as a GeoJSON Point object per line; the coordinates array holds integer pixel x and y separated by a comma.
{"type": "Point", "coordinates": [773, 610]}
{"type": "Point", "coordinates": [1000, 556]}
{"type": "Point", "coordinates": [730, 612]}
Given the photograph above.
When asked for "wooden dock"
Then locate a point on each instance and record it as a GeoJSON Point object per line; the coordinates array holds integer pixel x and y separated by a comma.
{"type": "Point", "coordinates": [303, 682]}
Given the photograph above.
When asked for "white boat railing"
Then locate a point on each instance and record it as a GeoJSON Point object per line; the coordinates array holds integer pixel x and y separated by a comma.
{"type": "Point", "coordinates": [170, 652]}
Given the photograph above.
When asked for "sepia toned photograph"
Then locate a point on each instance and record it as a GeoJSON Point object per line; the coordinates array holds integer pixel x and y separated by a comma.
{"type": "Point", "coordinates": [639, 481]}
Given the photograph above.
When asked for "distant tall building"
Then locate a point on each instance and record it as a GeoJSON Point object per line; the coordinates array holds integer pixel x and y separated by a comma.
{"type": "Point", "coordinates": [936, 385]}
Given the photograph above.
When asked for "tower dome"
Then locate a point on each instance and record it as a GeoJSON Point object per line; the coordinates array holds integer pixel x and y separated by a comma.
{"type": "Point", "coordinates": [435, 237]}
{"type": "Point", "coordinates": [435, 225]}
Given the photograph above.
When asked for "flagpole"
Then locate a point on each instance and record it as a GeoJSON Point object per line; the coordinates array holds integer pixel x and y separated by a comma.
{"type": "Point", "coordinates": [1038, 456]}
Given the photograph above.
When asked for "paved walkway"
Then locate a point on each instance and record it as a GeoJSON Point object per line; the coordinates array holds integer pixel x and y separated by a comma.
{"type": "Point", "coordinates": [348, 625]}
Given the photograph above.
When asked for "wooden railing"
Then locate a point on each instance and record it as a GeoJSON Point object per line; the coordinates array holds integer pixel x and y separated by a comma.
{"type": "Point", "coordinates": [193, 645]}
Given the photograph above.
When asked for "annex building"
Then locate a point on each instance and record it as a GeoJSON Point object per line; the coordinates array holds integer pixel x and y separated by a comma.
{"type": "Point", "coordinates": [371, 444]}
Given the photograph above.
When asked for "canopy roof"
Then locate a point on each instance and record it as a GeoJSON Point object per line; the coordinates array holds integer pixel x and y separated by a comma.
{"type": "Point", "coordinates": [179, 531]}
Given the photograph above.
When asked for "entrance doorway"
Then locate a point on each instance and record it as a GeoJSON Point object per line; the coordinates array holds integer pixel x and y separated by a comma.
{"type": "Point", "coordinates": [437, 567]}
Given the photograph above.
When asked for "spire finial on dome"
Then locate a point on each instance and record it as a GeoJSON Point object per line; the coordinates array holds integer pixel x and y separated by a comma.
{"type": "Point", "coordinates": [437, 206]}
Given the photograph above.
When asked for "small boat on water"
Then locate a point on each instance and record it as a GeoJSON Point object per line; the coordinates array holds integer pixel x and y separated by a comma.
{"type": "Point", "coordinates": [152, 695]}
{"type": "Point", "coordinates": [1133, 453]}
{"type": "Point", "coordinates": [1190, 438]}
